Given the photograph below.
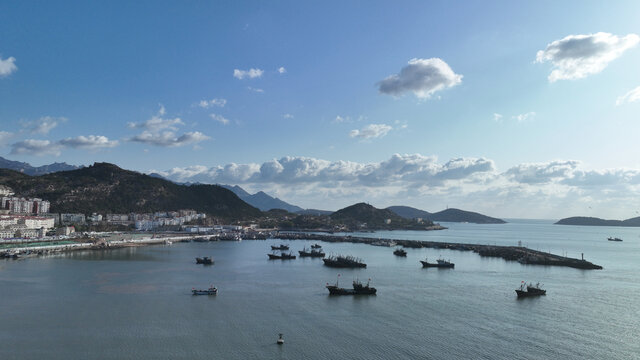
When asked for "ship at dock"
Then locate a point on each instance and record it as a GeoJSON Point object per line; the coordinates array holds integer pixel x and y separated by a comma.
{"type": "Point", "coordinates": [358, 289]}
{"type": "Point", "coordinates": [344, 262]}
{"type": "Point", "coordinates": [530, 290]}
{"type": "Point", "coordinates": [440, 263]}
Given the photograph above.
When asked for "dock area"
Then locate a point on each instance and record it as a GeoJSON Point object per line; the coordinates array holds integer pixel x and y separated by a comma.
{"type": "Point", "coordinates": [520, 254]}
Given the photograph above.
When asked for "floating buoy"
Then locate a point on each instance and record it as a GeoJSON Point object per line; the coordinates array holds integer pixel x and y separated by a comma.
{"type": "Point", "coordinates": [280, 339]}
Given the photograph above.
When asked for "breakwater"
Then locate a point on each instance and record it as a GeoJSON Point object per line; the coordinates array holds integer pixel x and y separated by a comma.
{"type": "Point", "coordinates": [510, 253]}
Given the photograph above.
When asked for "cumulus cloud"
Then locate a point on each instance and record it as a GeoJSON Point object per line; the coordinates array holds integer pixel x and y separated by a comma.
{"type": "Point", "coordinates": [629, 97]}
{"type": "Point", "coordinates": [42, 125]}
{"type": "Point", "coordinates": [219, 118]}
{"type": "Point", "coordinates": [160, 131]}
{"type": "Point", "coordinates": [213, 102]}
{"type": "Point", "coordinates": [497, 117]}
{"type": "Point", "coordinates": [282, 70]}
{"type": "Point", "coordinates": [371, 131]}
{"type": "Point", "coordinates": [287, 116]}
{"type": "Point", "coordinates": [90, 142]}
{"type": "Point", "coordinates": [423, 77]}
{"type": "Point", "coordinates": [169, 138]}
{"type": "Point", "coordinates": [157, 122]}
{"type": "Point", "coordinates": [7, 66]}
{"type": "Point", "coordinates": [251, 73]}
{"type": "Point", "coordinates": [577, 56]}
{"type": "Point", "coordinates": [35, 147]}
{"type": "Point", "coordinates": [557, 188]}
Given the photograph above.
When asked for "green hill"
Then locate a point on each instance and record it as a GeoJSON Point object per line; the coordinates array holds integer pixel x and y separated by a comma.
{"type": "Point", "coordinates": [365, 216]}
{"type": "Point", "coordinates": [593, 221]}
{"type": "Point", "coordinates": [106, 188]}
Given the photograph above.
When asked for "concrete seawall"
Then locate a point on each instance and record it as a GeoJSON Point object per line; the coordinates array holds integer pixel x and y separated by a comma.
{"type": "Point", "coordinates": [510, 253]}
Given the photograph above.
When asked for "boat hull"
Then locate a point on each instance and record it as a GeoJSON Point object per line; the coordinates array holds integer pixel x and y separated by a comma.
{"type": "Point", "coordinates": [205, 261]}
{"type": "Point", "coordinates": [523, 294]}
{"type": "Point", "coordinates": [339, 264]}
{"type": "Point", "coordinates": [432, 265]}
{"type": "Point", "coordinates": [334, 290]}
{"type": "Point", "coordinates": [205, 292]}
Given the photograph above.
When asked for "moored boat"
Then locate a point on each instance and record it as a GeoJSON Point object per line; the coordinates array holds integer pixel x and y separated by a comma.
{"type": "Point", "coordinates": [400, 252]}
{"type": "Point", "coordinates": [530, 290]}
{"type": "Point", "coordinates": [440, 263]}
{"type": "Point", "coordinates": [313, 253]}
{"type": "Point", "coordinates": [614, 239]}
{"type": "Point", "coordinates": [210, 291]}
{"type": "Point", "coordinates": [316, 246]}
{"type": "Point", "coordinates": [204, 260]}
{"type": "Point", "coordinates": [344, 262]}
{"type": "Point", "coordinates": [274, 256]}
{"type": "Point", "coordinates": [280, 247]}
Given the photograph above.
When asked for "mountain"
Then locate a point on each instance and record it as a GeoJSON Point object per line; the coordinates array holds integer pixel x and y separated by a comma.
{"type": "Point", "coordinates": [26, 168]}
{"type": "Point", "coordinates": [106, 188]}
{"type": "Point", "coordinates": [315, 212]}
{"type": "Point", "coordinates": [448, 215]}
{"type": "Point", "coordinates": [408, 212]}
{"type": "Point", "coordinates": [457, 215]}
{"type": "Point", "coordinates": [593, 221]}
{"type": "Point", "coordinates": [261, 200]}
{"type": "Point", "coordinates": [363, 215]}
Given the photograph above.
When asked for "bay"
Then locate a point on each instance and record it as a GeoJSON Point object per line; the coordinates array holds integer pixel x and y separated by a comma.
{"type": "Point", "coordinates": [135, 303]}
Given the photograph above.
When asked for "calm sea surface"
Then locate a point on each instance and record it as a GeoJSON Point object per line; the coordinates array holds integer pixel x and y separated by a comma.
{"type": "Point", "coordinates": [136, 303]}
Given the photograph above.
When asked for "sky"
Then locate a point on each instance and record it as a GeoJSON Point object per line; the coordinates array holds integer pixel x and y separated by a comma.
{"type": "Point", "coordinates": [512, 109]}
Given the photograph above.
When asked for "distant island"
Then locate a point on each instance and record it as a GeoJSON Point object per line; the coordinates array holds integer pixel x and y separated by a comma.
{"type": "Point", "coordinates": [594, 221]}
{"type": "Point", "coordinates": [448, 215]}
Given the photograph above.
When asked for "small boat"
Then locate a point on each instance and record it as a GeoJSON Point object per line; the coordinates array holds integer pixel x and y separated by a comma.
{"type": "Point", "coordinates": [204, 260]}
{"type": "Point", "coordinates": [614, 239]}
{"type": "Point", "coordinates": [440, 263]}
{"type": "Point", "coordinates": [280, 340]}
{"type": "Point", "coordinates": [358, 289]}
{"type": "Point", "coordinates": [400, 252]}
{"type": "Point", "coordinates": [274, 256]}
{"type": "Point", "coordinates": [530, 290]}
{"type": "Point", "coordinates": [313, 253]}
{"type": "Point", "coordinates": [344, 262]}
{"type": "Point", "coordinates": [281, 247]}
{"type": "Point", "coordinates": [316, 246]}
{"type": "Point", "coordinates": [285, 256]}
{"type": "Point", "coordinates": [210, 291]}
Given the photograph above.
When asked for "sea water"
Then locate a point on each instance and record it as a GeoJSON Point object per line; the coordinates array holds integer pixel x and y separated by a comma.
{"type": "Point", "coordinates": [136, 303]}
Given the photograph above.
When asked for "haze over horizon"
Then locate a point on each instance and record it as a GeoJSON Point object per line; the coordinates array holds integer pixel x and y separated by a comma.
{"type": "Point", "coordinates": [507, 109]}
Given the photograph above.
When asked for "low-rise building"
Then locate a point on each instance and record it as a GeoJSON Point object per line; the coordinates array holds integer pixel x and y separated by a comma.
{"type": "Point", "coordinates": [65, 230]}
{"type": "Point", "coordinates": [70, 219]}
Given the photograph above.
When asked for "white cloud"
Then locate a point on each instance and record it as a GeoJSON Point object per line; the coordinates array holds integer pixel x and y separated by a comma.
{"type": "Point", "coordinates": [7, 66]}
{"type": "Point", "coordinates": [213, 102]}
{"type": "Point", "coordinates": [423, 77]}
{"type": "Point", "coordinates": [43, 125]}
{"type": "Point", "coordinates": [497, 117]}
{"type": "Point", "coordinates": [577, 56]}
{"type": "Point", "coordinates": [35, 147]}
{"type": "Point", "coordinates": [260, 91]}
{"type": "Point", "coordinates": [282, 70]}
{"type": "Point", "coordinates": [524, 117]}
{"type": "Point", "coordinates": [4, 137]}
{"type": "Point", "coordinates": [251, 73]}
{"type": "Point", "coordinates": [371, 131]}
{"type": "Point", "coordinates": [340, 119]}
{"type": "Point", "coordinates": [157, 122]}
{"type": "Point", "coordinates": [629, 97]}
{"type": "Point", "coordinates": [542, 190]}
{"type": "Point", "coordinates": [90, 142]}
{"type": "Point", "coordinates": [287, 116]}
{"type": "Point", "coordinates": [219, 118]}
{"type": "Point", "coordinates": [169, 138]}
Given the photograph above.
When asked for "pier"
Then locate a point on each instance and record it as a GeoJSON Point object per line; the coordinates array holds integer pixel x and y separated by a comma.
{"type": "Point", "coordinates": [520, 254]}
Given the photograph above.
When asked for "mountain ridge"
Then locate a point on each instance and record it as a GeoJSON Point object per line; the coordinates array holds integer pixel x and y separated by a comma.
{"type": "Point", "coordinates": [447, 215]}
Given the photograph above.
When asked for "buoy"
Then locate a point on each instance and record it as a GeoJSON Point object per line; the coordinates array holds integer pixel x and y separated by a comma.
{"type": "Point", "coordinates": [280, 339]}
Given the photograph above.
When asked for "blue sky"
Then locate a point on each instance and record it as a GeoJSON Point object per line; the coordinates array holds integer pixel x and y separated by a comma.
{"type": "Point", "coordinates": [509, 108]}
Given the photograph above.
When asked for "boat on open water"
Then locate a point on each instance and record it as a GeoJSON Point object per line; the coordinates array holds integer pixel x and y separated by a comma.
{"type": "Point", "coordinates": [206, 260]}
{"type": "Point", "coordinates": [400, 252]}
{"type": "Point", "coordinates": [344, 262]}
{"type": "Point", "coordinates": [313, 253]}
{"type": "Point", "coordinates": [614, 239]}
{"type": "Point", "coordinates": [210, 291]}
{"type": "Point", "coordinates": [358, 289]}
{"type": "Point", "coordinates": [280, 247]}
{"type": "Point", "coordinates": [530, 290]}
{"type": "Point", "coordinates": [440, 263]}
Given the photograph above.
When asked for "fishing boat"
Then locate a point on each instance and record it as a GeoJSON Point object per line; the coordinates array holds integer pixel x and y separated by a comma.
{"type": "Point", "coordinates": [440, 263]}
{"type": "Point", "coordinates": [204, 260]}
{"type": "Point", "coordinates": [316, 246]}
{"type": "Point", "coordinates": [358, 288]}
{"type": "Point", "coordinates": [210, 291]}
{"type": "Point", "coordinates": [614, 239]}
{"type": "Point", "coordinates": [344, 262]}
{"type": "Point", "coordinates": [280, 247]}
{"type": "Point", "coordinates": [400, 252]}
{"type": "Point", "coordinates": [313, 253]}
{"type": "Point", "coordinates": [530, 290]}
